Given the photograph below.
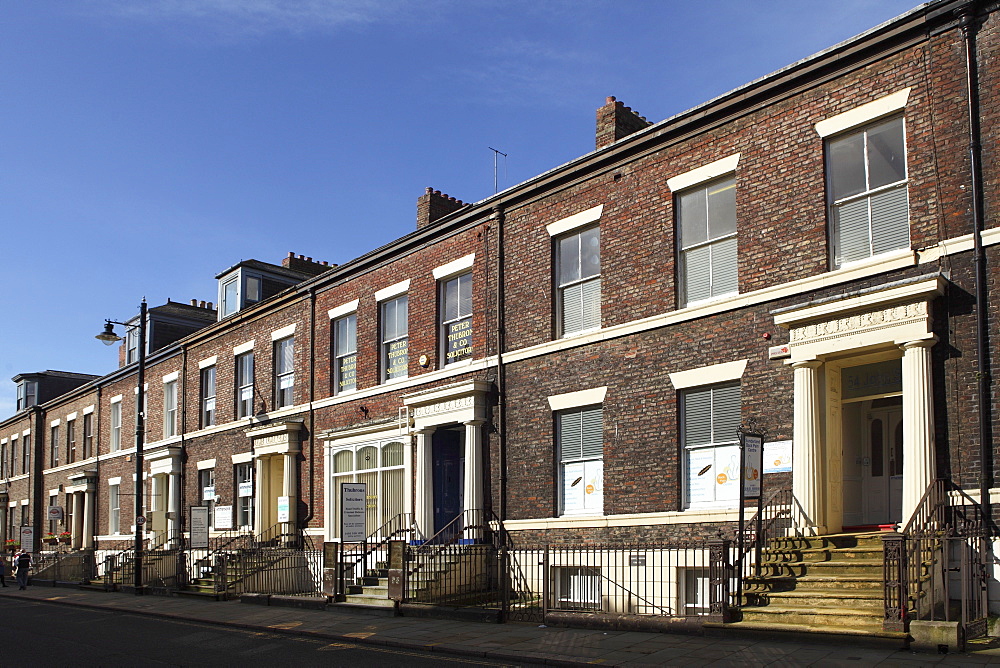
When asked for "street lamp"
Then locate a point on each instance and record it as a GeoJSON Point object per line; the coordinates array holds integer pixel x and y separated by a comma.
{"type": "Point", "coordinates": [109, 338]}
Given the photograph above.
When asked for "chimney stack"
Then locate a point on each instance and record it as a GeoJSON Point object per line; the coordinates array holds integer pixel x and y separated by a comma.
{"type": "Point", "coordinates": [615, 120]}
{"type": "Point", "coordinates": [304, 264]}
{"type": "Point", "coordinates": [434, 205]}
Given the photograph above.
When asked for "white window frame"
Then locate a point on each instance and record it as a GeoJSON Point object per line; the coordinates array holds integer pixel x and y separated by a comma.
{"type": "Point", "coordinates": [70, 440]}
{"type": "Point", "coordinates": [585, 307]}
{"type": "Point", "coordinates": [116, 424]}
{"type": "Point", "coordinates": [88, 434]}
{"type": "Point", "coordinates": [580, 465]}
{"type": "Point", "coordinates": [284, 374]}
{"type": "Point", "coordinates": [170, 408]}
{"type": "Point", "coordinates": [208, 386]}
{"type": "Point", "coordinates": [206, 481]}
{"type": "Point", "coordinates": [882, 236]}
{"type": "Point", "coordinates": [395, 340]}
{"type": "Point", "coordinates": [244, 383]}
{"type": "Point", "coordinates": [714, 464]}
{"type": "Point", "coordinates": [243, 472]}
{"type": "Point", "coordinates": [380, 509]}
{"type": "Point", "coordinates": [345, 352]}
{"type": "Point", "coordinates": [721, 250]}
{"type": "Point", "coordinates": [114, 508]}
{"type": "Point", "coordinates": [455, 327]}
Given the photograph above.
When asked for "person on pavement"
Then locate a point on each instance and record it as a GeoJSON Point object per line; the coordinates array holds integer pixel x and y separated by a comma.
{"type": "Point", "coordinates": [22, 562]}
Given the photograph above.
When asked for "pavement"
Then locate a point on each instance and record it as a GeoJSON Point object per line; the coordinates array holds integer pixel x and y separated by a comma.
{"type": "Point", "coordinates": [511, 642]}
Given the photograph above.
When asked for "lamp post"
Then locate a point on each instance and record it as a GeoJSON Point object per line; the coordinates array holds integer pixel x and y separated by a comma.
{"type": "Point", "coordinates": [109, 338]}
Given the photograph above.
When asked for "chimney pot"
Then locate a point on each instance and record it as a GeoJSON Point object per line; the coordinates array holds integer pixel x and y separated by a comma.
{"type": "Point", "coordinates": [208, 305]}
{"type": "Point", "coordinates": [201, 304]}
{"type": "Point", "coordinates": [194, 302]}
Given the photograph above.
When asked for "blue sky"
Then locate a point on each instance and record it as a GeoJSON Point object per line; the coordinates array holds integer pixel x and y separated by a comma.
{"type": "Point", "coordinates": [147, 145]}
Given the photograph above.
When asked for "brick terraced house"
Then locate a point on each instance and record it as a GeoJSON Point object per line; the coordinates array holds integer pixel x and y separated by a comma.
{"type": "Point", "coordinates": [557, 374]}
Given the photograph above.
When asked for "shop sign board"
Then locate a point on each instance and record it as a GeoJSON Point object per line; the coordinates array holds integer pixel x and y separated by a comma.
{"type": "Point", "coordinates": [353, 507]}
{"type": "Point", "coordinates": [199, 526]}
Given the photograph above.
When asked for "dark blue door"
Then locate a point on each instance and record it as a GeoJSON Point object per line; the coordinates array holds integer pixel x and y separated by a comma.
{"type": "Point", "coordinates": [449, 472]}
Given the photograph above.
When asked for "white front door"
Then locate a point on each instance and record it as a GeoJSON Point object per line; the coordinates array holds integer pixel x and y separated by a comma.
{"type": "Point", "coordinates": [882, 463]}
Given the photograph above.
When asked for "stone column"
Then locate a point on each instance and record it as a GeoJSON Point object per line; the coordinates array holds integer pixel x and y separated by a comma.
{"type": "Point", "coordinates": [261, 494]}
{"type": "Point", "coordinates": [154, 504]}
{"type": "Point", "coordinates": [290, 488]}
{"type": "Point", "coordinates": [807, 443]}
{"type": "Point", "coordinates": [473, 493]}
{"type": "Point", "coordinates": [173, 506]}
{"type": "Point", "coordinates": [76, 530]}
{"type": "Point", "coordinates": [919, 468]}
{"type": "Point", "coordinates": [88, 518]}
{"type": "Point", "coordinates": [423, 513]}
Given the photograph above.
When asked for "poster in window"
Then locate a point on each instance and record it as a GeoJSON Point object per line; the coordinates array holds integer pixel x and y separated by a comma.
{"type": "Point", "coordinates": [347, 372]}
{"type": "Point", "coordinates": [778, 457]}
{"type": "Point", "coordinates": [573, 475]}
{"type": "Point", "coordinates": [593, 488]}
{"type": "Point", "coordinates": [701, 465]}
{"type": "Point", "coordinates": [244, 489]}
{"type": "Point", "coordinates": [208, 493]}
{"type": "Point", "coordinates": [223, 517]}
{"type": "Point", "coordinates": [459, 341]}
{"type": "Point", "coordinates": [397, 362]}
{"type": "Point", "coordinates": [727, 478]}
{"type": "Point", "coordinates": [583, 488]}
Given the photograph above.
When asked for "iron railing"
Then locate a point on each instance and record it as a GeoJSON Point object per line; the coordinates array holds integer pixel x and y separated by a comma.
{"type": "Point", "coordinates": [357, 561]}
{"type": "Point", "coordinates": [278, 560]}
{"type": "Point", "coordinates": [669, 581]}
{"type": "Point", "coordinates": [65, 566]}
{"type": "Point", "coordinates": [938, 567]}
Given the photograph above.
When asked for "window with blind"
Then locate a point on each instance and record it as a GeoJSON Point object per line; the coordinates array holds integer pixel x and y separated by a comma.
{"type": "Point", "coordinates": [244, 494]}
{"type": "Point", "coordinates": [866, 182]}
{"type": "Point", "coordinates": [244, 385]}
{"type": "Point", "coordinates": [345, 353]}
{"type": "Point", "coordinates": [578, 281]}
{"type": "Point", "coordinates": [114, 510]}
{"type": "Point", "coordinates": [456, 318]}
{"type": "Point", "coordinates": [284, 372]}
{"type": "Point", "coordinates": [706, 221]}
{"type": "Point", "coordinates": [709, 417]}
{"type": "Point", "coordinates": [208, 396]}
{"type": "Point", "coordinates": [580, 438]}
{"type": "Point", "coordinates": [379, 465]}
{"type": "Point", "coordinates": [170, 409]}
{"type": "Point", "coordinates": [395, 338]}
{"type": "Point", "coordinates": [116, 426]}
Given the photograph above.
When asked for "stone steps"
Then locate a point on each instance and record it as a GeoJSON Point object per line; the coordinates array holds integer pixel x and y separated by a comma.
{"type": "Point", "coordinates": [818, 584]}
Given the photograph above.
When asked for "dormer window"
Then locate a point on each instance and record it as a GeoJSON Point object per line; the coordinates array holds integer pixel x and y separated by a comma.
{"type": "Point", "coordinates": [239, 290]}
{"type": "Point", "coordinates": [27, 394]}
{"type": "Point", "coordinates": [132, 346]}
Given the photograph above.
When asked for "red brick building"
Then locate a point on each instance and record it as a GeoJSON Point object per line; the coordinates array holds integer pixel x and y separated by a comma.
{"type": "Point", "coordinates": [814, 251]}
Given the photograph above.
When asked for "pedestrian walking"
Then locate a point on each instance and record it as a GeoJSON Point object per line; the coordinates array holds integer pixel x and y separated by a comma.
{"type": "Point", "coordinates": [22, 562]}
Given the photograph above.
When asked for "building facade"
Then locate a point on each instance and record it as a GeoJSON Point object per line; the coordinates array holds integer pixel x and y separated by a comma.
{"type": "Point", "coordinates": [814, 251]}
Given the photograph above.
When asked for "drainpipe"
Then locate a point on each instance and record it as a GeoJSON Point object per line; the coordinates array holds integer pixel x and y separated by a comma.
{"type": "Point", "coordinates": [498, 216]}
{"type": "Point", "coordinates": [970, 26]}
{"type": "Point", "coordinates": [312, 412]}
